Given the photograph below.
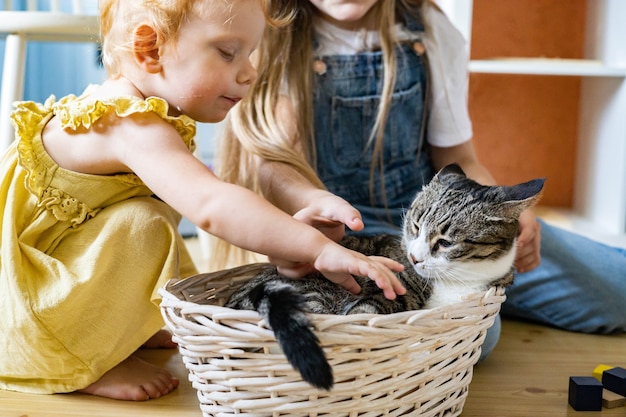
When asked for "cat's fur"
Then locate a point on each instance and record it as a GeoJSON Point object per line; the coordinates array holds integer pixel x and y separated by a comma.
{"type": "Point", "coordinates": [458, 238]}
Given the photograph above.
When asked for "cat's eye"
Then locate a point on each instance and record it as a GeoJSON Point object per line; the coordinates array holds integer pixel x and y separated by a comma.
{"type": "Point", "coordinates": [442, 243]}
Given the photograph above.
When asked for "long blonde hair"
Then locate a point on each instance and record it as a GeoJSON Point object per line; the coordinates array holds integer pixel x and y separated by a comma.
{"type": "Point", "coordinates": [253, 129]}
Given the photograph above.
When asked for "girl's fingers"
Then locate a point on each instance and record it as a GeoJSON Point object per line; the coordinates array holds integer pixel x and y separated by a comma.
{"type": "Point", "coordinates": [389, 283]}
{"type": "Point", "coordinates": [346, 280]}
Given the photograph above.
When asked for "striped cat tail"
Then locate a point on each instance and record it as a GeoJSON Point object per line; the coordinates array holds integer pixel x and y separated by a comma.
{"type": "Point", "coordinates": [283, 307]}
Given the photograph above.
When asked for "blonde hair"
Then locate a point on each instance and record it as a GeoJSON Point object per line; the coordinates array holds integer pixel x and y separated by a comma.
{"type": "Point", "coordinates": [120, 18]}
{"type": "Point", "coordinates": [253, 129]}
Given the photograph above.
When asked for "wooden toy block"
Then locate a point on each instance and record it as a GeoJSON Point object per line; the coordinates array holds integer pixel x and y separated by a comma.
{"type": "Point", "coordinates": [615, 380]}
{"type": "Point", "coordinates": [612, 400]}
{"type": "Point", "coordinates": [597, 372]}
{"type": "Point", "coordinates": [585, 393]}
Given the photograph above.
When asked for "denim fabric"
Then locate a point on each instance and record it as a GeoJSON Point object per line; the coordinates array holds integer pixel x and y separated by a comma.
{"type": "Point", "coordinates": [347, 96]}
{"type": "Point", "coordinates": [580, 285]}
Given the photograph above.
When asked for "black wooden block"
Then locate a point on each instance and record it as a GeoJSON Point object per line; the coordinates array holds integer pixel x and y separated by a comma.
{"type": "Point", "coordinates": [615, 380]}
{"type": "Point", "coordinates": [585, 393]}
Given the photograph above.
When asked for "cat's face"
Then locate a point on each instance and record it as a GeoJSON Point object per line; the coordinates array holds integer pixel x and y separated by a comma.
{"type": "Point", "coordinates": [458, 230]}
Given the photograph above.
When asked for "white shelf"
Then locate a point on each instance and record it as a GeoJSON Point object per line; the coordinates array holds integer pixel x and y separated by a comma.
{"type": "Point", "coordinates": [545, 66]}
{"type": "Point", "coordinates": [599, 205]}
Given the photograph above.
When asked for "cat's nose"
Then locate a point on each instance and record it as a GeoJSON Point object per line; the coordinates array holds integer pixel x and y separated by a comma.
{"type": "Point", "coordinates": [415, 261]}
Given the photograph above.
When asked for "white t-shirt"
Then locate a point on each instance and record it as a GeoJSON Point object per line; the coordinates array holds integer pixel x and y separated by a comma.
{"type": "Point", "coordinates": [449, 123]}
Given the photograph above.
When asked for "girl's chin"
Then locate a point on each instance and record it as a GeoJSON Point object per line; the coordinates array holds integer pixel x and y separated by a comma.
{"type": "Point", "coordinates": [349, 13]}
{"type": "Point", "coordinates": [215, 117]}
{"type": "Point", "coordinates": [216, 114]}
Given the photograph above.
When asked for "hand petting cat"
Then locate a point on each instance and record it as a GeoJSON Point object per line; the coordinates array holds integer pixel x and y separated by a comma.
{"type": "Point", "coordinates": [528, 256]}
{"type": "Point", "coordinates": [365, 268]}
{"type": "Point", "coordinates": [334, 260]}
{"type": "Point", "coordinates": [329, 214]}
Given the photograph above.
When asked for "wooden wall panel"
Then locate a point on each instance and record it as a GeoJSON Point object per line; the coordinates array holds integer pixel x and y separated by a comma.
{"type": "Point", "coordinates": [526, 126]}
{"type": "Point", "coordinates": [528, 28]}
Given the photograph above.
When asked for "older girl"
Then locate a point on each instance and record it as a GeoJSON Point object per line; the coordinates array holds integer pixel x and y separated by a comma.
{"type": "Point", "coordinates": [370, 101]}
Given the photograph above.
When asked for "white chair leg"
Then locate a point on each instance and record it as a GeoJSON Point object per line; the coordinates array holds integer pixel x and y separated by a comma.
{"type": "Point", "coordinates": [12, 85]}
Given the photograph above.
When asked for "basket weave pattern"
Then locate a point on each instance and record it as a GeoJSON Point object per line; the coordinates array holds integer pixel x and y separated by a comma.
{"type": "Point", "coordinates": [415, 363]}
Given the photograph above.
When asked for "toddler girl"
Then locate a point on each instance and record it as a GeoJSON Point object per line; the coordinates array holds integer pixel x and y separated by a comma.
{"type": "Point", "coordinates": [93, 187]}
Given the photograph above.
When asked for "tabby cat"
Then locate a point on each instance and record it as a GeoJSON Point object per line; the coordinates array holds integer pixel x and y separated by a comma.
{"type": "Point", "coordinates": [458, 238]}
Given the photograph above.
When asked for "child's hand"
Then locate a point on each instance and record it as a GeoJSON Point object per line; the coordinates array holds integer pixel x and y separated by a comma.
{"type": "Point", "coordinates": [291, 269]}
{"type": "Point", "coordinates": [528, 256]}
{"type": "Point", "coordinates": [338, 264]}
{"type": "Point", "coordinates": [330, 214]}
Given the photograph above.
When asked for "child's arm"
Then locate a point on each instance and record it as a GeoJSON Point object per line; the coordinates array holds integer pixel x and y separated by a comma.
{"type": "Point", "coordinates": [154, 151]}
{"type": "Point", "coordinates": [325, 214]}
{"type": "Point", "coordinates": [289, 190]}
{"type": "Point", "coordinates": [292, 192]}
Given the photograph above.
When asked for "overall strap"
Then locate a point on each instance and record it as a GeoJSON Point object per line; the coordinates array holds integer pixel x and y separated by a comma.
{"type": "Point", "coordinates": [413, 22]}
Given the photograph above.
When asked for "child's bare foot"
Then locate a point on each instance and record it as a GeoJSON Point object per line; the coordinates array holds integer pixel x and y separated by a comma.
{"type": "Point", "coordinates": [133, 380]}
{"type": "Point", "coordinates": [160, 340]}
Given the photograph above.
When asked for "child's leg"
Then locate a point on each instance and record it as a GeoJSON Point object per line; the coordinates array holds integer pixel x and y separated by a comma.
{"type": "Point", "coordinates": [579, 286]}
{"type": "Point", "coordinates": [86, 304]}
{"type": "Point", "coordinates": [491, 339]}
{"type": "Point", "coordinates": [156, 241]}
{"type": "Point", "coordinates": [161, 340]}
{"type": "Point", "coordinates": [133, 380]}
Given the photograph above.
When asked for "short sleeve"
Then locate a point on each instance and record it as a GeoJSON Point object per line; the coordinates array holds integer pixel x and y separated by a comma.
{"type": "Point", "coordinates": [449, 123]}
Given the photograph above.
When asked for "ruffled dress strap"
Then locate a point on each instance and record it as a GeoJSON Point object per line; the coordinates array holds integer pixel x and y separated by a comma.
{"type": "Point", "coordinates": [75, 112]}
{"type": "Point", "coordinates": [62, 198]}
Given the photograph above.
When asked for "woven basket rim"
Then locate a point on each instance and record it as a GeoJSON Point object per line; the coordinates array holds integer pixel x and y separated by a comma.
{"type": "Point", "coordinates": [416, 363]}
{"type": "Point", "coordinates": [176, 287]}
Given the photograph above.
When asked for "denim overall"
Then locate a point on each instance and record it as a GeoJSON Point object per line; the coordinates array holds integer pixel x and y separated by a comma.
{"type": "Point", "coordinates": [580, 285]}
{"type": "Point", "coordinates": [346, 98]}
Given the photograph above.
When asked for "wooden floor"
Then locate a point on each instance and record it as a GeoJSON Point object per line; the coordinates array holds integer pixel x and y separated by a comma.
{"type": "Point", "coordinates": [526, 376]}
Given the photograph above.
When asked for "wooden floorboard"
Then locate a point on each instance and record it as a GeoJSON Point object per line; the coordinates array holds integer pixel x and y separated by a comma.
{"type": "Point", "coordinates": [528, 373]}
{"type": "Point", "coordinates": [526, 376]}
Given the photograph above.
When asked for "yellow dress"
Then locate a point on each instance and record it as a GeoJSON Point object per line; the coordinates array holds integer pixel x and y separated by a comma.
{"type": "Point", "coordinates": [81, 256]}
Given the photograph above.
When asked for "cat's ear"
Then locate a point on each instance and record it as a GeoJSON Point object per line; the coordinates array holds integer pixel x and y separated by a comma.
{"type": "Point", "coordinates": [452, 169]}
{"type": "Point", "coordinates": [450, 174]}
{"type": "Point", "coordinates": [522, 196]}
{"type": "Point", "coordinates": [526, 190]}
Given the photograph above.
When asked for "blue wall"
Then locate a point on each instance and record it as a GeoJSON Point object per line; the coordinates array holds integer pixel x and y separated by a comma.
{"type": "Point", "coordinates": [59, 68]}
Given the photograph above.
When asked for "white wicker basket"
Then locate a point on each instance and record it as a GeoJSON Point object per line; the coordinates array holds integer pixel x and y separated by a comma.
{"type": "Point", "coordinates": [415, 363]}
